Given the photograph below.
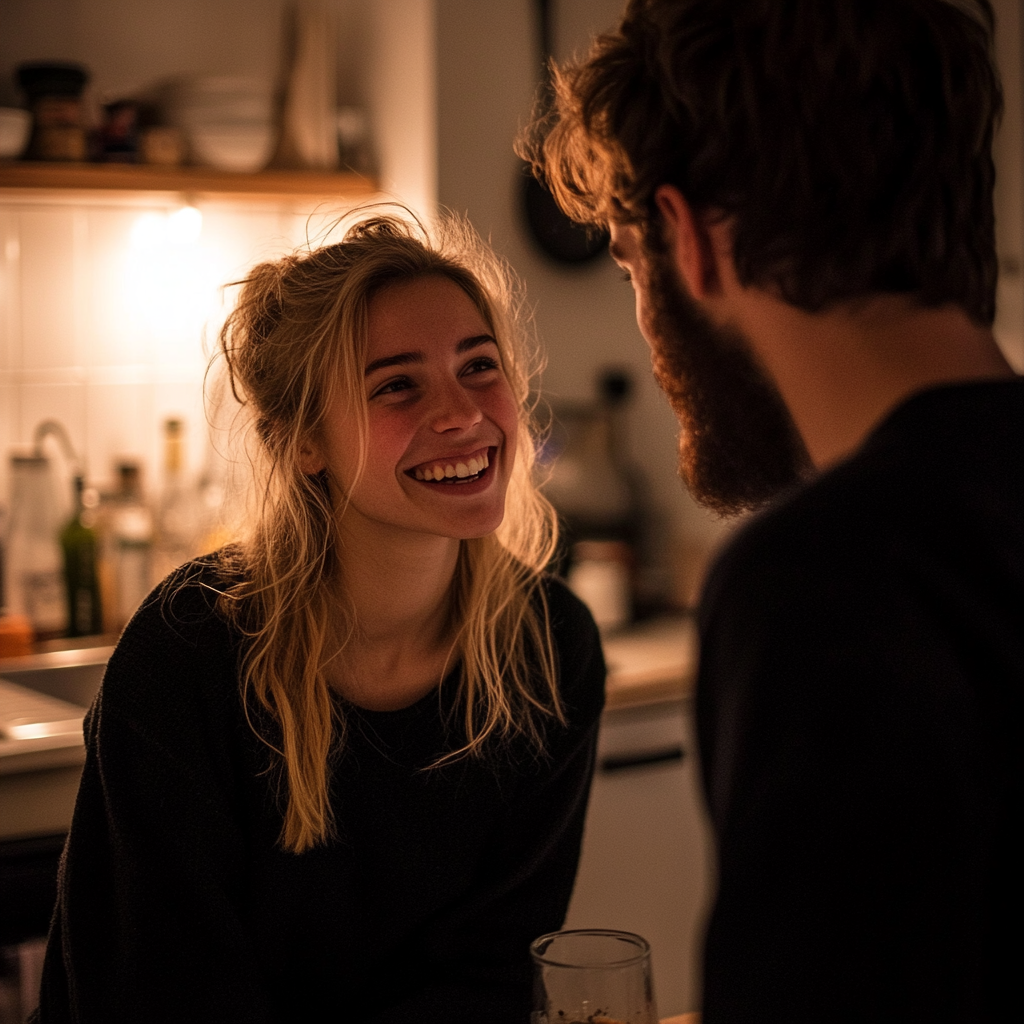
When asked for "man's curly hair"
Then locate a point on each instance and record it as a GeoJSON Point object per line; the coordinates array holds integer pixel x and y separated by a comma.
{"type": "Point", "coordinates": [848, 142]}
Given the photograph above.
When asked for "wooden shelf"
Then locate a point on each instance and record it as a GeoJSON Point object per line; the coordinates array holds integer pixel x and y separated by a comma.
{"type": "Point", "coordinates": [205, 181]}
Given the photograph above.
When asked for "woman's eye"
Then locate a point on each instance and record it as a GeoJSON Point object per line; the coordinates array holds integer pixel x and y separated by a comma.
{"type": "Point", "coordinates": [392, 387]}
{"type": "Point", "coordinates": [481, 365]}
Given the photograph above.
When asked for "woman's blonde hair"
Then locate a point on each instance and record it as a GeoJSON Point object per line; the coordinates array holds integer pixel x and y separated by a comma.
{"type": "Point", "coordinates": [295, 341]}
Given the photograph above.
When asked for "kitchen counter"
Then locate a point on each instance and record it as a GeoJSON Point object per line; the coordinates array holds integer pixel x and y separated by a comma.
{"type": "Point", "coordinates": [651, 663]}
{"type": "Point", "coordinates": [43, 699]}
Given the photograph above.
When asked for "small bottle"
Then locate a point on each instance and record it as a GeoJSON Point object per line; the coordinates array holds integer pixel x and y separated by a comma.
{"type": "Point", "coordinates": [33, 562]}
{"type": "Point", "coordinates": [214, 530]}
{"type": "Point", "coordinates": [81, 553]}
{"type": "Point", "coordinates": [130, 544]}
{"type": "Point", "coordinates": [179, 513]}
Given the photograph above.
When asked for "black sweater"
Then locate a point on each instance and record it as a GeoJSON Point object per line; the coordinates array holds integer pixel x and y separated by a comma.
{"type": "Point", "coordinates": [176, 902]}
{"type": "Point", "coordinates": [860, 711]}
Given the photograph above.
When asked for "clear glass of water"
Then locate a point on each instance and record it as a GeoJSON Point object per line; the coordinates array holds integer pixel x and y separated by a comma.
{"type": "Point", "coordinates": [592, 976]}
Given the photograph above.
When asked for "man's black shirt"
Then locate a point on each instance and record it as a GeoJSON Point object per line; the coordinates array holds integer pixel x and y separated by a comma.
{"type": "Point", "coordinates": [860, 716]}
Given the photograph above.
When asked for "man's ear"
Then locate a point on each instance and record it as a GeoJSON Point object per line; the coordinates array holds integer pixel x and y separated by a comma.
{"type": "Point", "coordinates": [689, 242]}
{"type": "Point", "coordinates": [310, 460]}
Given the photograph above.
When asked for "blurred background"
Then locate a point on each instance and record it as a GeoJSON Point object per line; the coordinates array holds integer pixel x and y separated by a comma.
{"type": "Point", "coordinates": [109, 301]}
{"type": "Point", "coordinates": [198, 137]}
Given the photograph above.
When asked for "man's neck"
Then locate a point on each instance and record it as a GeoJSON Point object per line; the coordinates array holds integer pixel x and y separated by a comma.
{"type": "Point", "coordinates": [842, 371]}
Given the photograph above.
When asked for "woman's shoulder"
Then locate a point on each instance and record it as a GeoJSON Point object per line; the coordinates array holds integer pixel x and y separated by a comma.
{"type": "Point", "coordinates": [184, 604]}
{"type": "Point", "coordinates": [170, 700]}
{"type": "Point", "coordinates": [568, 614]}
{"type": "Point", "coordinates": [178, 640]}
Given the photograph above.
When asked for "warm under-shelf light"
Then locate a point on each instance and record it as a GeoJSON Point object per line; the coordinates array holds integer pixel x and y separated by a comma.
{"type": "Point", "coordinates": [149, 230]}
{"type": "Point", "coordinates": [172, 280]}
{"type": "Point", "coordinates": [184, 226]}
{"type": "Point", "coordinates": [153, 230]}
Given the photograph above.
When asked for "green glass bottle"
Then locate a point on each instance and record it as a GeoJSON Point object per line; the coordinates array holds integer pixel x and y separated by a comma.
{"type": "Point", "coordinates": [81, 550]}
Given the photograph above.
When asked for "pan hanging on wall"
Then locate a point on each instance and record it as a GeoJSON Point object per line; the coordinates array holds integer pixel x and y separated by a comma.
{"type": "Point", "coordinates": [557, 236]}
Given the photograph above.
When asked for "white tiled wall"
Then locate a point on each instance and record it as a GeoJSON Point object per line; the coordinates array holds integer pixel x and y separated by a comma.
{"type": "Point", "coordinates": [107, 326]}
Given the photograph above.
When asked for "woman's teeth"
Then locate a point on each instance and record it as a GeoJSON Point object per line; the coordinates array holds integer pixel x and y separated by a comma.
{"type": "Point", "coordinates": [458, 470]}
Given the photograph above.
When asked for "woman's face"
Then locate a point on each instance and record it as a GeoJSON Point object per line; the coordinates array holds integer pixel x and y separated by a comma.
{"type": "Point", "coordinates": [442, 419]}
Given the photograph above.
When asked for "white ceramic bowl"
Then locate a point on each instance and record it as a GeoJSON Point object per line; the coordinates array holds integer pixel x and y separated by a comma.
{"type": "Point", "coordinates": [15, 126]}
{"type": "Point", "coordinates": [223, 110]}
{"type": "Point", "coordinates": [199, 100]}
{"type": "Point", "coordinates": [220, 86]}
{"type": "Point", "coordinates": [245, 148]}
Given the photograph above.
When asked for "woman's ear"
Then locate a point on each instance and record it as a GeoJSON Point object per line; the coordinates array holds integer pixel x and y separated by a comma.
{"type": "Point", "coordinates": [310, 459]}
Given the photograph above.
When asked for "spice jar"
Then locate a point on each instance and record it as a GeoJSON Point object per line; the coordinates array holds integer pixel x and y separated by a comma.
{"type": "Point", "coordinates": [54, 94]}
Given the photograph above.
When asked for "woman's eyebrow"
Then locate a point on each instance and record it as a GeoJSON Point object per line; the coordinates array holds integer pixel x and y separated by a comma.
{"type": "Point", "coordinates": [404, 358]}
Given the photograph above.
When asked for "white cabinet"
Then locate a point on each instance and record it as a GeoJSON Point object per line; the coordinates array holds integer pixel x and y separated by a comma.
{"type": "Point", "coordinates": [646, 864]}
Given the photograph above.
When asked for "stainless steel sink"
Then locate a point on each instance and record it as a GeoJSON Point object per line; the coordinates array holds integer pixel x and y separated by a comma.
{"type": "Point", "coordinates": [40, 767]}
{"type": "Point", "coordinates": [74, 676]}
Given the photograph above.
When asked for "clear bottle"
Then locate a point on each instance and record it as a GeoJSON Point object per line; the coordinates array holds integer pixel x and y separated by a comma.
{"type": "Point", "coordinates": [130, 544]}
{"type": "Point", "coordinates": [80, 543]}
{"type": "Point", "coordinates": [34, 563]}
{"type": "Point", "coordinates": [179, 513]}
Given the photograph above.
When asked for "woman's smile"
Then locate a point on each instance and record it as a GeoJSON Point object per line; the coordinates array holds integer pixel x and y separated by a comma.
{"type": "Point", "coordinates": [442, 421]}
{"type": "Point", "coordinates": [455, 469]}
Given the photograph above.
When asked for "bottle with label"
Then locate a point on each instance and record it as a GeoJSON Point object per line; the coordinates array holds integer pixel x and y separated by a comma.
{"type": "Point", "coordinates": [179, 513]}
{"type": "Point", "coordinates": [215, 511]}
{"type": "Point", "coordinates": [129, 545]}
{"type": "Point", "coordinates": [80, 543]}
{"type": "Point", "coordinates": [33, 563]}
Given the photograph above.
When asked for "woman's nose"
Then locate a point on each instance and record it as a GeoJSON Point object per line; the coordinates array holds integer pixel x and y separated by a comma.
{"type": "Point", "coordinates": [455, 409]}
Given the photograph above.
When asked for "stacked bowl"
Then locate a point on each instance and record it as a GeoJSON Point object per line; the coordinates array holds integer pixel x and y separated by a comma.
{"type": "Point", "coordinates": [228, 121]}
{"type": "Point", "coordinates": [15, 128]}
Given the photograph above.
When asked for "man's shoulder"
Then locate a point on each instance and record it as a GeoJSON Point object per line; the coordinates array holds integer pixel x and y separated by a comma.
{"type": "Point", "coordinates": [942, 473]}
{"type": "Point", "coordinates": [888, 588]}
{"type": "Point", "coordinates": [811, 538]}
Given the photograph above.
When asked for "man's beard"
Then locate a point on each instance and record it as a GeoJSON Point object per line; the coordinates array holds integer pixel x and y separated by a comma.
{"type": "Point", "coordinates": [738, 446]}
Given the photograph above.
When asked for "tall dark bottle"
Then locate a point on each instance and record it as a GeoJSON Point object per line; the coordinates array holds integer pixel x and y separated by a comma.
{"type": "Point", "coordinates": [81, 552]}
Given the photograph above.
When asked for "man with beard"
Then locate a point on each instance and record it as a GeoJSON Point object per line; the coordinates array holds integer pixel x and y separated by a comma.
{"type": "Point", "coordinates": [801, 193]}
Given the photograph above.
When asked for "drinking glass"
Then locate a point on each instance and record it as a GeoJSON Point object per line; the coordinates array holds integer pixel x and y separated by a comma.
{"type": "Point", "coordinates": [592, 976]}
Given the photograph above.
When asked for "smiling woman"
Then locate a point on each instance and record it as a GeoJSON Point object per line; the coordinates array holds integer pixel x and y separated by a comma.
{"type": "Point", "coordinates": [340, 767]}
{"type": "Point", "coordinates": [441, 421]}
